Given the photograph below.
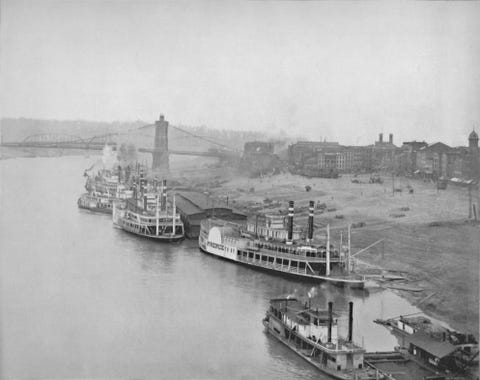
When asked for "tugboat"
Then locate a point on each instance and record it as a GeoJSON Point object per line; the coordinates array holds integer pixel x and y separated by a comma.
{"type": "Point", "coordinates": [313, 334]}
{"type": "Point", "coordinates": [273, 248]}
{"type": "Point", "coordinates": [144, 216]}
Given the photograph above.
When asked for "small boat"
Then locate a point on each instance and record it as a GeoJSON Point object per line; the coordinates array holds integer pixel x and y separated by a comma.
{"type": "Point", "coordinates": [313, 334]}
{"type": "Point", "coordinates": [277, 248]}
{"type": "Point", "coordinates": [144, 216]}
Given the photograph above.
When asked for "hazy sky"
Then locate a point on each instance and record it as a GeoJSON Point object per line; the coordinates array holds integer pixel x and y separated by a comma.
{"type": "Point", "coordinates": [342, 71]}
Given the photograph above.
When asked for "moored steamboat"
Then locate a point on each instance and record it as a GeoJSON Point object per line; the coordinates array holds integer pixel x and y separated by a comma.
{"type": "Point", "coordinates": [313, 334]}
{"type": "Point", "coordinates": [102, 190]}
{"type": "Point", "coordinates": [150, 215]}
{"type": "Point", "coordinates": [274, 249]}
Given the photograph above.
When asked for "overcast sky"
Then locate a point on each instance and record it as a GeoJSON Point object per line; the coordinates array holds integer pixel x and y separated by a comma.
{"type": "Point", "coordinates": [341, 71]}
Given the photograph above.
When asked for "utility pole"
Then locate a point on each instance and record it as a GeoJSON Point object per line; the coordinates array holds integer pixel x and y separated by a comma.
{"type": "Point", "coordinates": [469, 201]}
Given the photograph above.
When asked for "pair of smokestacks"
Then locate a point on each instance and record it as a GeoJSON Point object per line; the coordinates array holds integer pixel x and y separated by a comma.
{"type": "Point", "coordinates": [350, 321]}
{"type": "Point", "coordinates": [163, 198]}
{"type": "Point", "coordinates": [290, 222]}
{"type": "Point", "coordinates": [390, 138]}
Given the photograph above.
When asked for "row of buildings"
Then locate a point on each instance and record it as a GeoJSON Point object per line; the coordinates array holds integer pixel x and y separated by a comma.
{"type": "Point", "coordinates": [415, 158]}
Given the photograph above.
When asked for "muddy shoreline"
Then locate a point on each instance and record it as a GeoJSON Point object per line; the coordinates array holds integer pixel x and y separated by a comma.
{"type": "Point", "coordinates": [432, 243]}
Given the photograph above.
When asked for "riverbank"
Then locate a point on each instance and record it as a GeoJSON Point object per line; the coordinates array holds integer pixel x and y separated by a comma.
{"type": "Point", "coordinates": [427, 237]}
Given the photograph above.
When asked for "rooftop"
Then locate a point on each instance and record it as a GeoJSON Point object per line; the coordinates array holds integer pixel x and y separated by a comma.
{"type": "Point", "coordinates": [298, 311]}
{"type": "Point", "coordinates": [440, 349]}
{"type": "Point", "coordinates": [192, 202]}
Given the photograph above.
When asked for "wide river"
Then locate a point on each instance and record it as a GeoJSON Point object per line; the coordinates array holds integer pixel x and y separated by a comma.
{"type": "Point", "coordinates": [82, 299]}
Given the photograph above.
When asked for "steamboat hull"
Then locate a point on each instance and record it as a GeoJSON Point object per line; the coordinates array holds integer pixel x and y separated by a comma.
{"type": "Point", "coordinates": [85, 205]}
{"type": "Point", "coordinates": [304, 354]}
{"type": "Point", "coordinates": [161, 239]}
{"type": "Point", "coordinates": [97, 210]}
{"type": "Point", "coordinates": [337, 281]}
{"type": "Point", "coordinates": [167, 238]}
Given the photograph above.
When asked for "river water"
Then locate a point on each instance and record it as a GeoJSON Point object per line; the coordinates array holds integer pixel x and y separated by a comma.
{"type": "Point", "coordinates": [82, 299]}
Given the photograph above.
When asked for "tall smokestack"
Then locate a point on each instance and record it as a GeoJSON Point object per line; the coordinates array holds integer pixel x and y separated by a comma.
{"type": "Point", "coordinates": [310, 221]}
{"type": "Point", "coordinates": [119, 168]}
{"type": "Point", "coordinates": [330, 321]}
{"type": "Point", "coordinates": [134, 188]}
{"type": "Point", "coordinates": [380, 137]}
{"type": "Point", "coordinates": [327, 261]}
{"type": "Point", "coordinates": [290, 223]}
{"type": "Point", "coordinates": [163, 202]}
{"type": "Point", "coordinates": [390, 138]}
{"type": "Point", "coordinates": [350, 321]}
{"type": "Point", "coordinates": [142, 182]}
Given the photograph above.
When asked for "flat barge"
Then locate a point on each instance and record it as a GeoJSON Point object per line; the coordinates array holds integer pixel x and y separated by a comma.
{"type": "Point", "coordinates": [435, 346]}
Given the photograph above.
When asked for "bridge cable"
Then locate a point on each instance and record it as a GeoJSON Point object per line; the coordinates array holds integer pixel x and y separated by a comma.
{"type": "Point", "coordinates": [205, 139]}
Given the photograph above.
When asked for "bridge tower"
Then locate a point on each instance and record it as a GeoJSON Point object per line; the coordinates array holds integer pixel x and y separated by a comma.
{"type": "Point", "coordinates": [160, 152]}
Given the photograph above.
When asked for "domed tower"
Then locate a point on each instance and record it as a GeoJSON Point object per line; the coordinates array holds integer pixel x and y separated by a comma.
{"type": "Point", "coordinates": [473, 140]}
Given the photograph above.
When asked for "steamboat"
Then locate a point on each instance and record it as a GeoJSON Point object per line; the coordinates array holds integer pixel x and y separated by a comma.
{"type": "Point", "coordinates": [96, 202]}
{"type": "Point", "coordinates": [144, 216]}
{"type": "Point", "coordinates": [274, 249]}
{"type": "Point", "coordinates": [102, 190]}
{"type": "Point", "coordinates": [313, 334]}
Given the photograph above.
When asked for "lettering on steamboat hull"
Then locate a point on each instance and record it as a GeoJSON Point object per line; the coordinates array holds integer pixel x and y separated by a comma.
{"type": "Point", "coordinates": [220, 239]}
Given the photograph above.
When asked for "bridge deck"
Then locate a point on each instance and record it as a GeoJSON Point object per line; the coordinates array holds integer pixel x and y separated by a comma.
{"type": "Point", "coordinates": [99, 146]}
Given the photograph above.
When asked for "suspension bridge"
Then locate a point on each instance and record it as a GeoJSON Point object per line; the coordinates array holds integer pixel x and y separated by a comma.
{"type": "Point", "coordinates": [160, 151]}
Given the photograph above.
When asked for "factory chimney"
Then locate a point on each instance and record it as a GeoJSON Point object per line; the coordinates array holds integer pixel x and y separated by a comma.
{"type": "Point", "coordinates": [163, 200]}
{"type": "Point", "coordinates": [310, 221]}
{"type": "Point", "coordinates": [380, 137]}
{"type": "Point", "coordinates": [330, 321]}
{"type": "Point", "coordinates": [290, 223]}
{"type": "Point", "coordinates": [390, 138]}
{"type": "Point", "coordinates": [350, 321]}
